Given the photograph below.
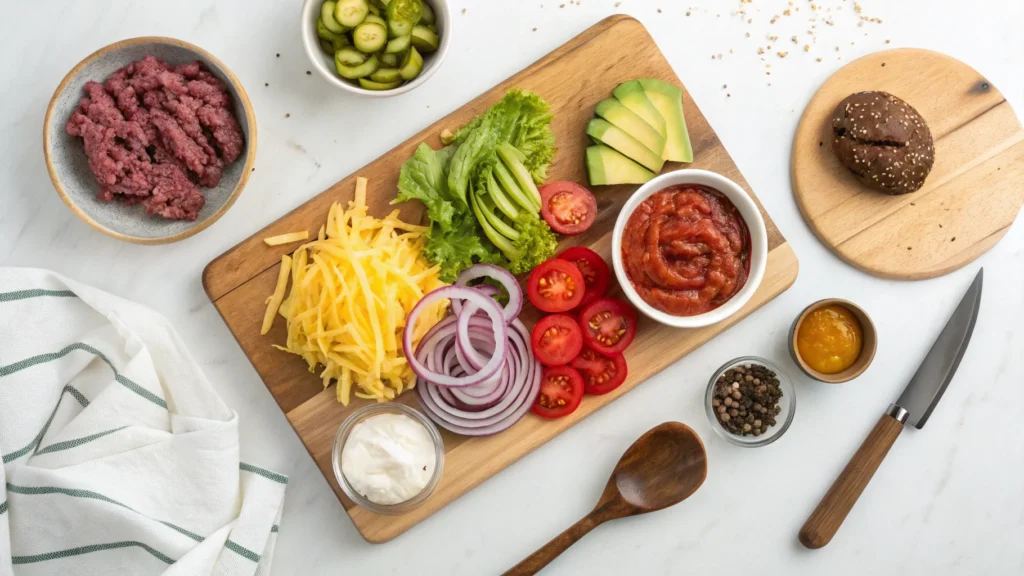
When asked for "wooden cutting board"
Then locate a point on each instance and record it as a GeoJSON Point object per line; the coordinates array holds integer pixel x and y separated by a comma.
{"type": "Point", "coordinates": [969, 200]}
{"type": "Point", "coordinates": [572, 79]}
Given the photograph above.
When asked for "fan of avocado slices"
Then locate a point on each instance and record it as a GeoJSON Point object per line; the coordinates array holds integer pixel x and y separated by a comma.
{"type": "Point", "coordinates": [480, 191]}
{"type": "Point", "coordinates": [636, 132]}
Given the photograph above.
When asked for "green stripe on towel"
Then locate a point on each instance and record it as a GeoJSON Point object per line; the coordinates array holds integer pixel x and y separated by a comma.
{"type": "Point", "coordinates": [42, 490]}
{"type": "Point", "coordinates": [88, 549]}
{"type": "Point", "coordinates": [3, 506]}
{"type": "Point", "coordinates": [242, 551]}
{"type": "Point", "coordinates": [69, 389]}
{"type": "Point", "coordinates": [181, 530]}
{"type": "Point", "coordinates": [36, 293]}
{"type": "Point", "coordinates": [279, 478]}
{"type": "Point", "coordinates": [44, 358]}
{"type": "Point", "coordinates": [275, 529]}
{"type": "Point", "coordinates": [58, 446]}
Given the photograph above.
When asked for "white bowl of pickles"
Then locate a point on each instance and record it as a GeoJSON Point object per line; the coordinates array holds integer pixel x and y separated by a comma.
{"type": "Point", "coordinates": [376, 48]}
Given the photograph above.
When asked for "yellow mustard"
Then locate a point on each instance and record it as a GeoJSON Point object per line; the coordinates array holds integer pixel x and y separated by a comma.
{"type": "Point", "coordinates": [830, 339]}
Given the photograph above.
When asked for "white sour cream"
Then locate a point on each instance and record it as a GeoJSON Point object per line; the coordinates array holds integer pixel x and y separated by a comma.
{"type": "Point", "coordinates": [388, 458]}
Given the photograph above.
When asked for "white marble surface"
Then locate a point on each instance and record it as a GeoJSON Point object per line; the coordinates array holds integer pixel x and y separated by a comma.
{"type": "Point", "coordinates": [949, 499]}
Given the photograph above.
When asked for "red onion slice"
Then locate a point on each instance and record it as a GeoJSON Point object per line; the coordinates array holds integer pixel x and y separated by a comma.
{"type": "Point", "coordinates": [489, 289]}
{"type": "Point", "coordinates": [503, 277]}
{"type": "Point", "coordinates": [485, 304]}
{"type": "Point", "coordinates": [476, 420]}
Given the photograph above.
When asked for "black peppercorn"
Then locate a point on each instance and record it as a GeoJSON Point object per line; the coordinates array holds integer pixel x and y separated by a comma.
{"type": "Point", "coordinates": [746, 399]}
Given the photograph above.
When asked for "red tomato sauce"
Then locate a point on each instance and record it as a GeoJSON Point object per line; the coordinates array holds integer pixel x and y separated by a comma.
{"type": "Point", "coordinates": [686, 250]}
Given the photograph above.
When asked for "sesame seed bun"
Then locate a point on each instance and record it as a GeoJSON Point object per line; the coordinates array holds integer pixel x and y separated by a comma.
{"type": "Point", "coordinates": [882, 141]}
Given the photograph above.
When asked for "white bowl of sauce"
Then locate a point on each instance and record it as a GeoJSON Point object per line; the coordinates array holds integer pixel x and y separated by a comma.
{"type": "Point", "coordinates": [388, 458]}
{"type": "Point", "coordinates": [711, 248]}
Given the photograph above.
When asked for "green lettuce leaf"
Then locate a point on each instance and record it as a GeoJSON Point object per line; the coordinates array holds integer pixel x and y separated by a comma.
{"type": "Point", "coordinates": [423, 177]}
{"type": "Point", "coordinates": [521, 118]}
{"type": "Point", "coordinates": [443, 179]}
{"type": "Point", "coordinates": [536, 243]}
{"type": "Point", "coordinates": [460, 247]}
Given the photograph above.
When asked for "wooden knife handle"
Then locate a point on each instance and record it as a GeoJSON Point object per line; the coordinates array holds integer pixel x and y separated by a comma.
{"type": "Point", "coordinates": [824, 522]}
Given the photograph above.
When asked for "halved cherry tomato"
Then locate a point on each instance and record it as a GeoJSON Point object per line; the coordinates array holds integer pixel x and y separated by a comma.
{"type": "Point", "coordinates": [601, 374]}
{"type": "Point", "coordinates": [595, 272]}
{"type": "Point", "coordinates": [567, 207]}
{"type": "Point", "coordinates": [555, 286]}
{"type": "Point", "coordinates": [556, 339]}
{"type": "Point", "coordinates": [561, 389]}
{"type": "Point", "coordinates": [608, 326]}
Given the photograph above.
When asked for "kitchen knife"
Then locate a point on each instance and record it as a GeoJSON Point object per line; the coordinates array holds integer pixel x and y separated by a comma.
{"type": "Point", "coordinates": [914, 406]}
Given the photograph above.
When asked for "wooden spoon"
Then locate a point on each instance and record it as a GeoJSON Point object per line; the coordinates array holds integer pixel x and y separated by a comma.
{"type": "Point", "coordinates": [663, 467]}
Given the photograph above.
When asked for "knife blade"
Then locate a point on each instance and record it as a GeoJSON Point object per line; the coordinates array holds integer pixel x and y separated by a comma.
{"type": "Point", "coordinates": [936, 371]}
{"type": "Point", "coordinates": [915, 405]}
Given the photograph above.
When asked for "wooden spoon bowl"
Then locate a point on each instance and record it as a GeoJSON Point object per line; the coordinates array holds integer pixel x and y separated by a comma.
{"type": "Point", "coordinates": [663, 467]}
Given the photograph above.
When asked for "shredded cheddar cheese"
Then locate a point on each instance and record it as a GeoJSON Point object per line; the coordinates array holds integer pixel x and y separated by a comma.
{"type": "Point", "coordinates": [351, 291]}
{"type": "Point", "coordinates": [287, 238]}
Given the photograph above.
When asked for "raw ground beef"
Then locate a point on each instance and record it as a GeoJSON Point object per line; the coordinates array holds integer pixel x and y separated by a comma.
{"type": "Point", "coordinates": [154, 133]}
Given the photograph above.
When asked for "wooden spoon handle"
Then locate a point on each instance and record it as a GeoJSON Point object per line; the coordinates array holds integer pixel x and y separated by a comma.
{"type": "Point", "coordinates": [840, 498]}
{"type": "Point", "coordinates": [542, 557]}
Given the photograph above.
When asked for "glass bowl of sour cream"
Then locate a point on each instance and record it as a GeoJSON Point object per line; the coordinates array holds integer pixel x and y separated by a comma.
{"type": "Point", "coordinates": [388, 457]}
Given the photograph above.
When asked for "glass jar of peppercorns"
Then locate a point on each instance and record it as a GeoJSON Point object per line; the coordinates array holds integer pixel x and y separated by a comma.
{"type": "Point", "coordinates": [750, 401]}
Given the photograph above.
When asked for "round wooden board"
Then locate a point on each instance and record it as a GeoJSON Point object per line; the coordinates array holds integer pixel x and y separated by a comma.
{"type": "Point", "coordinates": [971, 197]}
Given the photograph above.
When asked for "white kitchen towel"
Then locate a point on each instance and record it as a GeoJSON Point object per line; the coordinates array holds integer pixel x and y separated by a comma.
{"type": "Point", "coordinates": [118, 456]}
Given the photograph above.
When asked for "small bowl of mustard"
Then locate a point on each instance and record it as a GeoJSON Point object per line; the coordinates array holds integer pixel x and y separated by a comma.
{"type": "Point", "coordinates": [833, 341]}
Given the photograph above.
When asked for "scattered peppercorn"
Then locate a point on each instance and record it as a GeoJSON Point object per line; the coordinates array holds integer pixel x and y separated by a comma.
{"type": "Point", "coordinates": [746, 399]}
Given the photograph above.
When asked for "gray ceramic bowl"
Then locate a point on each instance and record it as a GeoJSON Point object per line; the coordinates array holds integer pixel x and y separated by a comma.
{"type": "Point", "coordinates": [69, 167]}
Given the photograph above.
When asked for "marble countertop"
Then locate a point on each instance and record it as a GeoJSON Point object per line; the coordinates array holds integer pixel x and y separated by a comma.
{"type": "Point", "coordinates": [948, 500]}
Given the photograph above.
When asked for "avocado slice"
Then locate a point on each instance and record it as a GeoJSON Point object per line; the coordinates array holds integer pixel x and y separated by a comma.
{"type": "Point", "coordinates": [490, 212]}
{"type": "Point", "coordinates": [606, 166]}
{"type": "Point", "coordinates": [631, 95]}
{"type": "Point", "coordinates": [668, 99]}
{"type": "Point", "coordinates": [610, 135]}
{"type": "Point", "coordinates": [611, 110]}
{"type": "Point", "coordinates": [501, 242]}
